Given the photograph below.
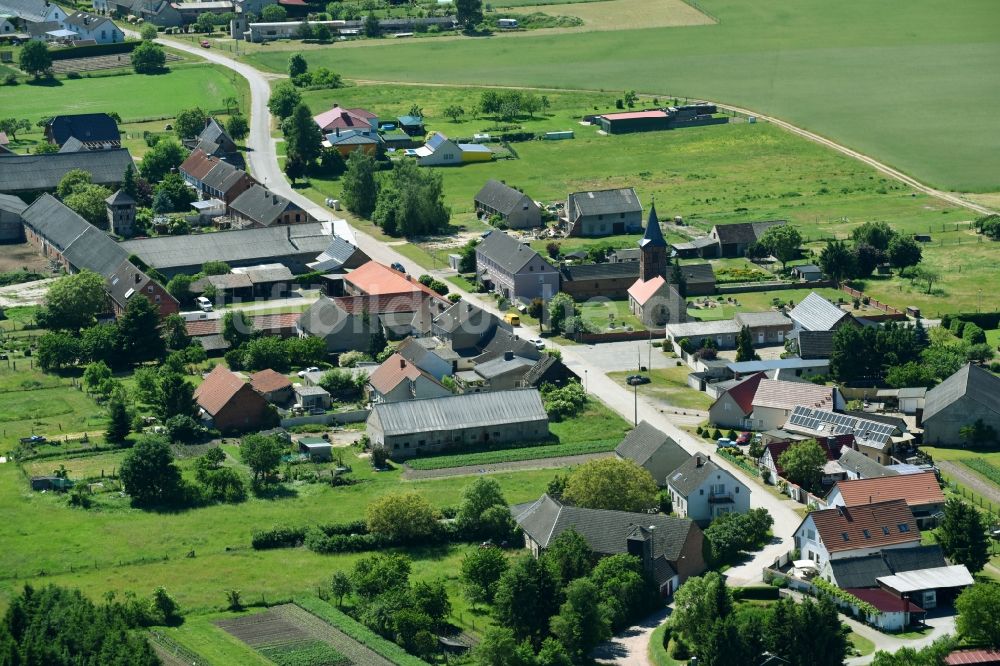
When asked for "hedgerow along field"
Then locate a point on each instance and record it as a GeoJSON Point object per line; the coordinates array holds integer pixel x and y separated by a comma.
{"type": "Point", "coordinates": [904, 85]}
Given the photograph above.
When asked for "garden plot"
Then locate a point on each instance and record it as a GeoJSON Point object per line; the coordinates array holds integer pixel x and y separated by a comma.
{"type": "Point", "coordinates": [288, 634]}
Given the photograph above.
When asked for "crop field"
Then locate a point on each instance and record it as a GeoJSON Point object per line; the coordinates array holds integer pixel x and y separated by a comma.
{"type": "Point", "coordinates": [985, 469]}
{"type": "Point", "coordinates": [869, 75]}
{"type": "Point", "coordinates": [625, 14]}
{"type": "Point", "coordinates": [132, 96]}
{"type": "Point", "coordinates": [96, 466]}
{"type": "Point", "coordinates": [290, 636]}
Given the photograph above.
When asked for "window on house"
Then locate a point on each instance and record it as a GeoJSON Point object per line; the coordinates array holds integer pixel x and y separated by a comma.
{"type": "Point", "coordinates": [421, 442]}
{"type": "Point", "coordinates": [844, 536]}
{"type": "Point", "coordinates": [621, 215]}
{"type": "Point", "coordinates": [903, 527]}
{"type": "Point", "coordinates": [868, 535]}
{"type": "Point", "coordinates": [885, 530]}
{"type": "Point", "coordinates": [737, 490]}
{"type": "Point", "coordinates": [701, 491]}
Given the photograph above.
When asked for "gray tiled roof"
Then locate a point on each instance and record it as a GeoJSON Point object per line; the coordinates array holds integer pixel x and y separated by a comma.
{"type": "Point", "coordinates": [606, 532]}
{"type": "Point", "coordinates": [121, 198]}
{"type": "Point", "coordinates": [692, 473]}
{"type": "Point", "coordinates": [95, 251]}
{"type": "Point", "coordinates": [970, 381]}
{"type": "Point", "coordinates": [469, 410]}
{"type": "Point", "coordinates": [27, 173]}
{"type": "Point", "coordinates": [744, 232]}
{"type": "Point", "coordinates": [625, 269]}
{"type": "Point", "coordinates": [698, 273]}
{"type": "Point", "coordinates": [336, 254]}
{"type": "Point", "coordinates": [29, 10]}
{"type": "Point", "coordinates": [506, 251]}
{"type": "Point", "coordinates": [464, 314]}
{"type": "Point", "coordinates": [223, 176]}
{"type": "Point", "coordinates": [604, 202]}
{"type": "Point", "coordinates": [165, 252]}
{"type": "Point", "coordinates": [261, 205]}
{"type": "Point", "coordinates": [653, 450]}
{"type": "Point", "coordinates": [815, 313]}
{"type": "Point", "coordinates": [501, 366]}
{"type": "Point", "coordinates": [862, 572]}
{"type": "Point", "coordinates": [696, 328]}
{"type": "Point", "coordinates": [755, 319]}
{"type": "Point", "coordinates": [499, 196]}
{"type": "Point", "coordinates": [862, 465]}
{"type": "Point", "coordinates": [87, 127]}
{"type": "Point", "coordinates": [12, 204]}
{"type": "Point", "coordinates": [84, 245]}
{"type": "Point", "coordinates": [815, 344]}
{"type": "Point", "coordinates": [653, 236]}
{"type": "Point", "coordinates": [323, 317]}
{"type": "Point", "coordinates": [502, 341]}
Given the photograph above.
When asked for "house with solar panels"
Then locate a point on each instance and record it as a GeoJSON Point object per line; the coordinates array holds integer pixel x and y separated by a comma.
{"type": "Point", "coordinates": [872, 438]}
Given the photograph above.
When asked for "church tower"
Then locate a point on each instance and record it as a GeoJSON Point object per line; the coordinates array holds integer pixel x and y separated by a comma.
{"type": "Point", "coordinates": [652, 249]}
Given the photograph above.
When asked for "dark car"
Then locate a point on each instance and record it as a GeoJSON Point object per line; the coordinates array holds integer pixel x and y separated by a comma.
{"type": "Point", "coordinates": [636, 380]}
{"type": "Point", "coordinates": [396, 266]}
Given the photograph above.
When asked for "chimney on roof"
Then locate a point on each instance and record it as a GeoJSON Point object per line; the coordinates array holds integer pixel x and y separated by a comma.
{"type": "Point", "coordinates": [508, 355]}
{"type": "Point", "coordinates": [402, 363]}
{"type": "Point", "coordinates": [698, 462]}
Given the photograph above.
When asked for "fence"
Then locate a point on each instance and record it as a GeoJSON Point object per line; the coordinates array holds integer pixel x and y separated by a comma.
{"type": "Point", "coordinates": [989, 508]}
{"type": "Point", "coordinates": [872, 302]}
{"type": "Point", "coordinates": [746, 287]}
{"type": "Point", "coordinates": [618, 336]}
{"type": "Point", "coordinates": [355, 416]}
{"type": "Point", "coordinates": [175, 649]}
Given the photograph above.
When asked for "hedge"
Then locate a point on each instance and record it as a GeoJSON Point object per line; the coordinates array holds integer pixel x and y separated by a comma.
{"type": "Point", "coordinates": [984, 320]}
{"type": "Point", "coordinates": [756, 592]}
{"type": "Point", "coordinates": [358, 631]}
{"type": "Point", "coordinates": [318, 542]}
{"type": "Point", "coordinates": [93, 50]}
{"type": "Point", "coordinates": [278, 537]}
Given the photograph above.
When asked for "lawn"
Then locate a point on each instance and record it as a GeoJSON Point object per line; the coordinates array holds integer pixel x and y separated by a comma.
{"type": "Point", "coordinates": [201, 553]}
{"type": "Point", "coordinates": [604, 315]}
{"type": "Point", "coordinates": [670, 386]}
{"type": "Point", "coordinates": [34, 402]}
{"type": "Point", "coordinates": [817, 64]}
{"type": "Point", "coordinates": [133, 96]}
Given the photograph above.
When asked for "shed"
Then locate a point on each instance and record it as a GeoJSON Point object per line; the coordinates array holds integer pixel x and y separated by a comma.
{"type": "Point", "coordinates": [558, 135]}
{"type": "Point", "coordinates": [311, 397]}
{"type": "Point", "coordinates": [317, 448]}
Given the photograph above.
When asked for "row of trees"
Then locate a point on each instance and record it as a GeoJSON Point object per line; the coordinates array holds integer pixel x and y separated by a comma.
{"type": "Point", "coordinates": [507, 105]}
{"type": "Point", "coordinates": [706, 622]}
{"type": "Point", "coordinates": [873, 244]}
{"type": "Point", "coordinates": [298, 70]}
{"type": "Point", "coordinates": [407, 201]}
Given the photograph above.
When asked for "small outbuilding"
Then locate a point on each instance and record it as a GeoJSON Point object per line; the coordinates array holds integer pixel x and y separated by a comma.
{"type": "Point", "coordinates": [311, 397]}
{"type": "Point", "coordinates": [317, 448]}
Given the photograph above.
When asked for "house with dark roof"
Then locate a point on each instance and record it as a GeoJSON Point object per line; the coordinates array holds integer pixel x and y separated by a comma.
{"type": "Point", "coordinates": [512, 269]}
{"type": "Point", "coordinates": [815, 313]}
{"type": "Point", "coordinates": [229, 403]}
{"type": "Point", "coordinates": [733, 407]}
{"type": "Point", "coordinates": [216, 142]}
{"type": "Point", "coordinates": [259, 207]}
{"type": "Point", "coordinates": [766, 328]}
{"type": "Point", "coordinates": [456, 422]}
{"type": "Point", "coordinates": [846, 532]}
{"type": "Point", "coordinates": [27, 12]}
{"type": "Point", "coordinates": [346, 142]}
{"type": "Point", "coordinates": [651, 448]}
{"type": "Point", "coordinates": [864, 572]}
{"type": "Point", "coordinates": [41, 172]}
{"type": "Point", "coordinates": [428, 355]}
{"type": "Point", "coordinates": [340, 255]}
{"type": "Point", "coordinates": [670, 549]}
{"type": "Point", "coordinates": [699, 279]}
{"type": "Point", "coordinates": [770, 460]}
{"type": "Point", "coordinates": [704, 247]}
{"type": "Point", "coordinates": [702, 491]}
{"type": "Point", "coordinates": [397, 379]}
{"type": "Point", "coordinates": [502, 373]}
{"type": "Point", "coordinates": [342, 330]}
{"type": "Point", "coordinates": [94, 130]}
{"type": "Point", "coordinates": [610, 280]}
{"type": "Point", "coordinates": [813, 344]}
{"type": "Point", "coordinates": [100, 29]}
{"type": "Point", "coordinates": [515, 208]}
{"type": "Point", "coordinates": [603, 212]}
{"type": "Point", "coordinates": [857, 465]}
{"type": "Point", "coordinates": [11, 223]}
{"type": "Point", "coordinates": [127, 281]}
{"type": "Point", "coordinates": [808, 273]}
{"type": "Point", "coordinates": [968, 396]}
{"type": "Point", "coordinates": [734, 239]}
{"type": "Point", "coordinates": [922, 494]}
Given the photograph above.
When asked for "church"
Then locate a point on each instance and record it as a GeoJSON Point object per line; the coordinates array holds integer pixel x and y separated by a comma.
{"type": "Point", "coordinates": [652, 298]}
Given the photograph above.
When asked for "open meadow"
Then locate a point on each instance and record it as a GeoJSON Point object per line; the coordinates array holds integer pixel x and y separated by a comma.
{"type": "Point", "coordinates": [903, 86]}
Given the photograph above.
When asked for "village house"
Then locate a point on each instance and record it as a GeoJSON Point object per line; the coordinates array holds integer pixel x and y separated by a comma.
{"type": "Point", "coordinates": [702, 491]}
{"type": "Point", "coordinates": [734, 239]}
{"type": "Point", "coordinates": [789, 369]}
{"type": "Point", "coordinates": [857, 465]}
{"type": "Point", "coordinates": [375, 279]}
{"type": "Point", "coordinates": [970, 395]}
{"type": "Point", "coordinates": [428, 355]}
{"type": "Point", "coordinates": [864, 572]}
{"type": "Point", "coordinates": [259, 207]}
{"type": "Point", "coordinates": [651, 448]}
{"type": "Point", "coordinates": [815, 313]}
{"type": "Point", "coordinates": [229, 404]}
{"type": "Point", "coordinates": [346, 142]}
{"type": "Point", "coordinates": [734, 405]}
{"type": "Point", "coordinates": [100, 29]}
{"type": "Point", "coordinates": [775, 400]}
{"type": "Point", "coordinates": [11, 223]}
{"type": "Point", "coordinates": [603, 213]}
{"type": "Point", "coordinates": [872, 438]}
{"type": "Point", "coordinates": [339, 255]}
{"type": "Point", "coordinates": [610, 280]}
{"type": "Point", "coordinates": [845, 532]}
{"type": "Point", "coordinates": [770, 460]}
{"type": "Point", "coordinates": [671, 549]}
{"type": "Point", "coordinates": [766, 328]}
{"type": "Point", "coordinates": [699, 279]}
{"type": "Point", "coordinates": [341, 329]}
{"type": "Point", "coordinates": [442, 151]}
{"type": "Point", "coordinates": [516, 209]}
{"type": "Point", "coordinates": [213, 178]}
{"type": "Point", "coordinates": [28, 12]}
{"type": "Point", "coordinates": [509, 371]}
{"type": "Point", "coordinates": [215, 141]}
{"type": "Point", "coordinates": [339, 118]}
{"type": "Point", "coordinates": [127, 281]}
{"type": "Point", "coordinates": [274, 386]}
{"type": "Point", "coordinates": [921, 492]}
{"type": "Point", "coordinates": [451, 423]}
{"type": "Point", "coordinates": [513, 269]}
{"type": "Point", "coordinates": [397, 380]}
{"type": "Point", "coordinates": [206, 328]}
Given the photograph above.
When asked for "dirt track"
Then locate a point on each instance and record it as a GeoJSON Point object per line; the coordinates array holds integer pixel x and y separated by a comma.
{"type": "Point", "coordinates": [962, 474]}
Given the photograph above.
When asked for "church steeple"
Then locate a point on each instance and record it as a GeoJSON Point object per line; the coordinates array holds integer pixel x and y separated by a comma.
{"type": "Point", "coordinates": [652, 249]}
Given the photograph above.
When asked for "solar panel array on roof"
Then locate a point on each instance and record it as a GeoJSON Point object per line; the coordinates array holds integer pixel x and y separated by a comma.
{"type": "Point", "coordinates": [830, 423]}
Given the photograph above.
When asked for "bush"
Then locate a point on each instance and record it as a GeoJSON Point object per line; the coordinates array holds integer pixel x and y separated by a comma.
{"type": "Point", "coordinates": [277, 537]}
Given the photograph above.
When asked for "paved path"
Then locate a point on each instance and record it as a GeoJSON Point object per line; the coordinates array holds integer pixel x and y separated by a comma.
{"type": "Point", "coordinates": [518, 465]}
{"type": "Point", "coordinates": [970, 480]}
{"type": "Point", "coordinates": [631, 646]}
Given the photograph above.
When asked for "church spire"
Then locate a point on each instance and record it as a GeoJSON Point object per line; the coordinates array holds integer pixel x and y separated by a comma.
{"type": "Point", "coordinates": [653, 236]}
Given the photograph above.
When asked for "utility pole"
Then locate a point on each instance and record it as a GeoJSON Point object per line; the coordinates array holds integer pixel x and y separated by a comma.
{"type": "Point", "coordinates": [635, 397]}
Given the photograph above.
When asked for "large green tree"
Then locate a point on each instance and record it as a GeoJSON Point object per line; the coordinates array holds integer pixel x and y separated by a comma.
{"type": "Point", "coordinates": [697, 604]}
{"type": "Point", "coordinates": [526, 597]}
{"type": "Point", "coordinates": [611, 483]}
{"type": "Point", "coordinates": [744, 346]}
{"type": "Point", "coordinates": [837, 261]}
{"type": "Point", "coordinates": [480, 495]}
{"type": "Point", "coordinates": [119, 419]}
{"type": "Point", "coordinates": [402, 518]}
{"type": "Point", "coordinates": [284, 98]}
{"type": "Point", "coordinates": [149, 474]}
{"type": "Point", "coordinates": [302, 135]}
{"type": "Point", "coordinates": [57, 350]}
{"type": "Point", "coordinates": [569, 556]}
{"type": "Point", "coordinates": [164, 156]}
{"type": "Point", "coordinates": [35, 58]}
{"type": "Point", "coordinates": [262, 454]}
{"type": "Point", "coordinates": [74, 301]}
{"type": "Point", "coordinates": [802, 463]}
{"type": "Point", "coordinates": [360, 189]}
{"type": "Point", "coordinates": [72, 181]}
{"type": "Point", "coordinates": [962, 535]}
{"type": "Point", "coordinates": [875, 234]}
{"type": "Point", "coordinates": [783, 242]}
{"type": "Point", "coordinates": [190, 122]}
{"type": "Point", "coordinates": [174, 396]}
{"type": "Point", "coordinates": [581, 623]}
{"type": "Point", "coordinates": [481, 572]}
{"type": "Point", "coordinates": [978, 609]}
{"type": "Point", "coordinates": [148, 58]}
{"type": "Point", "coordinates": [903, 251]}
{"type": "Point", "coordinates": [138, 333]}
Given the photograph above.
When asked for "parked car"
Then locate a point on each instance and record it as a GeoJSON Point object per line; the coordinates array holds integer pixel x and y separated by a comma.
{"type": "Point", "coordinates": [538, 342]}
{"type": "Point", "coordinates": [34, 439]}
{"type": "Point", "coordinates": [396, 266]}
{"type": "Point", "coordinates": [302, 373]}
{"type": "Point", "coordinates": [205, 44]}
{"type": "Point", "coordinates": [204, 304]}
{"type": "Point", "coordinates": [636, 380]}
{"type": "Point", "coordinates": [724, 442]}
{"type": "Point", "coordinates": [744, 438]}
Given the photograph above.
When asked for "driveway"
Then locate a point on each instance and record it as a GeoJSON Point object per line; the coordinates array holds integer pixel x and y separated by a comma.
{"type": "Point", "coordinates": [631, 647]}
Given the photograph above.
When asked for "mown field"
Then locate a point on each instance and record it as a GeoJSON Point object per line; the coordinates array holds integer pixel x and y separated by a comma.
{"type": "Point", "coordinates": [878, 78]}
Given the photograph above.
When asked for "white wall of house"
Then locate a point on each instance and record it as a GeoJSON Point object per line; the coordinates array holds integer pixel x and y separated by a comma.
{"type": "Point", "coordinates": [704, 503]}
{"type": "Point", "coordinates": [811, 546]}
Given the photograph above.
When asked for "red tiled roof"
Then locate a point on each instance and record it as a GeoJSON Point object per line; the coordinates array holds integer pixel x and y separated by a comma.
{"type": "Point", "coordinates": [778, 394]}
{"type": "Point", "coordinates": [268, 381]}
{"type": "Point", "coordinates": [916, 489]}
{"type": "Point", "coordinates": [394, 370]}
{"type": "Point", "coordinates": [978, 657]}
{"type": "Point", "coordinates": [198, 164]}
{"type": "Point", "coordinates": [881, 520]}
{"type": "Point", "coordinates": [744, 392]}
{"type": "Point", "coordinates": [375, 279]}
{"type": "Point", "coordinates": [218, 389]}
{"type": "Point", "coordinates": [883, 600]}
{"type": "Point", "coordinates": [642, 291]}
{"type": "Point", "coordinates": [629, 115]}
{"type": "Point", "coordinates": [270, 322]}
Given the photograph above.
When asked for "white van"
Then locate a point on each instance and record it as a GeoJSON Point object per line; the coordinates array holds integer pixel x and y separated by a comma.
{"type": "Point", "coordinates": [507, 23]}
{"type": "Point", "coordinates": [204, 304]}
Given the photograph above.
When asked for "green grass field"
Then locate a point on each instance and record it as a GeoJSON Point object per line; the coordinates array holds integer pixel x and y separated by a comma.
{"type": "Point", "coordinates": [34, 402]}
{"type": "Point", "coordinates": [132, 96]}
{"type": "Point", "coordinates": [670, 386]}
{"type": "Point", "coordinates": [875, 77]}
